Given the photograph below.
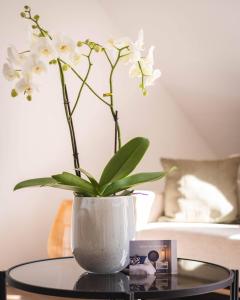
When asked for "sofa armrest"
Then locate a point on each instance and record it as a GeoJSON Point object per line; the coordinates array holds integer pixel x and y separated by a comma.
{"type": "Point", "coordinates": [148, 207]}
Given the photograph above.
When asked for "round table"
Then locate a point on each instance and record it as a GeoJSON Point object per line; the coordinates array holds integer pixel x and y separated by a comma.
{"type": "Point", "coordinates": [65, 278]}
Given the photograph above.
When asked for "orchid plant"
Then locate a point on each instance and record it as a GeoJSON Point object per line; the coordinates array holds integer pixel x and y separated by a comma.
{"type": "Point", "coordinates": [45, 49]}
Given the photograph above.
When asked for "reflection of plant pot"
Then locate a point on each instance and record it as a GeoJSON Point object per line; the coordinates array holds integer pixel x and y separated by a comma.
{"type": "Point", "coordinates": [101, 230]}
{"type": "Point", "coordinates": [142, 283]}
{"type": "Point", "coordinates": [118, 282]}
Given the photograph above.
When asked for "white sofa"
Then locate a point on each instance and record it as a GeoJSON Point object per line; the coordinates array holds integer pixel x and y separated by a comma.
{"type": "Point", "coordinates": [216, 243]}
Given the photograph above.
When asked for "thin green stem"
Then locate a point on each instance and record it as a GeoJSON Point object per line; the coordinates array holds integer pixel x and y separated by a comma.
{"type": "Point", "coordinates": [84, 81]}
{"type": "Point", "coordinates": [23, 52]}
{"type": "Point", "coordinates": [67, 107]}
{"type": "Point", "coordinates": [125, 47]}
{"type": "Point", "coordinates": [43, 32]}
{"type": "Point", "coordinates": [68, 111]}
{"type": "Point", "coordinates": [118, 132]}
{"type": "Point", "coordinates": [124, 55]}
{"type": "Point", "coordinates": [114, 113]}
{"type": "Point", "coordinates": [142, 76]}
{"type": "Point", "coordinates": [120, 49]}
{"type": "Point", "coordinates": [108, 58]}
{"type": "Point", "coordinates": [75, 150]}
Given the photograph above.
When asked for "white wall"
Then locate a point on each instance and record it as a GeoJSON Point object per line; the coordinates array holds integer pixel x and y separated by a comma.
{"type": "Point", "coordinates": [34, 136]}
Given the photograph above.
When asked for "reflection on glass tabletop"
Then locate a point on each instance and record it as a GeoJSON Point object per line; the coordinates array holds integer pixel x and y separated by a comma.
{"type": "Point", "coordinates": [64, 274]}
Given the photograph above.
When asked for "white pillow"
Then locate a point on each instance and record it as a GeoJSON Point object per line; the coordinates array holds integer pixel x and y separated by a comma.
{"type": "Point", "coordinates": [202, 191]}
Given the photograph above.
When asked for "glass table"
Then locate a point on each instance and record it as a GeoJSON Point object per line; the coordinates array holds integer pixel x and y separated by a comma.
{"type": "Point", "coordinates": [65, 278]}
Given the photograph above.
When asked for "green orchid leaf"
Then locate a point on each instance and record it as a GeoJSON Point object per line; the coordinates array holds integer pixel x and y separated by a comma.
{"type": "Point", "coordinates": [126, 193]}
{"type": "Point", "coordinates": [127, 182]}
{"type": "Point", "coordinates": [35, 182]}
{"type": "Point", "coordinates": [124, 161]}
{"type": "Point", "coordinates": [91, 179]}
{"type": "Point", "coordinates": [69, 179]}
{"type": "Point", "coordinates": [72, 188]}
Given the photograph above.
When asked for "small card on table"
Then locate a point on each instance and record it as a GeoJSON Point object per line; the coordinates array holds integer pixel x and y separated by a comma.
{"type": "Point", "coordinates": [152, 257]}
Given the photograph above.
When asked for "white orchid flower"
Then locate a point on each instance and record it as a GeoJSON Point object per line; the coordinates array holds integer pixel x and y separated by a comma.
{"type": "Point", "coordinates": [33, 65]}
{"type": "Point", "coordinates": [14, 57]}
{"type": "Point", "coordinates": [9, 72]}
{"type": "Point", "coordinates": [25, 85]}
{"type": "Point", "coordinates": [118, 43]}
{"type": "Point", "coordinates": [131, 51]}
{"type": "Point", "coordinates": [135, 71]}
{"type": "Point", "coordinates": [115, 44]}
{"type": "Point", "coordinates": [64, 44]}
{"type": "Point", "coordinates": [144, 68]}
{"type": "Point", "coordinates": [139, 42]}
{"type": "Point", "coordinates": [75, 57]}
{"type": "Point", "coordinates": [149, 80]}
{"type": "Point", "coordinates": [135, 49]}
{"type": "Point", "coordinates": [147, 62]}
{"type": "Point", "coordinates": [42, 46]}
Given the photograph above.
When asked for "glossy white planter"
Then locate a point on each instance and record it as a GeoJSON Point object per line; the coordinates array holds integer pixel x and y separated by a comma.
{"type": "Point", "coordinates": [101, 230]}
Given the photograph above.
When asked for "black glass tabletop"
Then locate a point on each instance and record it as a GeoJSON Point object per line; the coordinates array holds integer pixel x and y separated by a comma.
{"type": "Point", "coordinates": [64, 277]}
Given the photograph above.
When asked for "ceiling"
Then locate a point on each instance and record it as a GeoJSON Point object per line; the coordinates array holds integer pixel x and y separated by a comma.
{"type": "Point", "coordinates": [198, 51]}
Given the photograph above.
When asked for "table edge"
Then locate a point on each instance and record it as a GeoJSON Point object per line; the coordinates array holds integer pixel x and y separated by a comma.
{"type": "Point", "coordinates": [204, 289]}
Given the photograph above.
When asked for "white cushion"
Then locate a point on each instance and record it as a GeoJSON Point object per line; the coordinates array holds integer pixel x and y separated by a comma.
{"type": "Point", "coordinates": [202, 191]}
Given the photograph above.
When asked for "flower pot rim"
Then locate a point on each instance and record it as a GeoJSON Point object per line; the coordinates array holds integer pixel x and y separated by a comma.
{"type": "Point", "coordinates": [104, 198]}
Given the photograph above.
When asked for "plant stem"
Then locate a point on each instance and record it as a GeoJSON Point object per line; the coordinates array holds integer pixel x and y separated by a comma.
{"type": "Point", "coordinates": [69, 120]}
{"type": "Point", "coordinates": [67, 107]}
{"type": "Point", "coordinates": [108, 58]}
{"type": "Point", "coordinates": [117, 133]}
{"type": "Point", "coordinates": [83, 82]}
{"type": "Point", "coordinates": [42, 31]}
{"type": "Point", "coordinates": [82, 79]}
{"type": "Point", "coordinates": [142, 76]}
{"type": "Point", "coordinates": [72, 133]}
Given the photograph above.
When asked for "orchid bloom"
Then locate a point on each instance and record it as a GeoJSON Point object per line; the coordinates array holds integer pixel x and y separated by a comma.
{"type": "Point", "coordinates": [122, 44]}
{"type": "Point", "coordinates": [138, 45]}
{"type": "Point", "coordinates": [75, 57]}
{"type": "Point", "coordinates": [42, 46]}
{"type": "Point", "coordinates": [9, 72]}
{"type": "Point", "coordinates": [118, 43]}
{"type": "Point", "coordinates": [64, 44]}
{"type": "Point", "coordinates": [135, 49]}
{"type": "Point", "coordinates": [149, 80]}
{"type": "Point", "coordinates": [27, 64]}
{"type": "Point", "coordinates": [26, 86]}
{"type": "Point", "coordinates": [144, 68]}
{"type": "Point", "coordinates": [14, 57]}
{"type": "Point", "coordinates": [147, 62]}
{"type": "Point", "coordinates": [131, 51]}
{"type": "Point", "coordinates": [33, 65]}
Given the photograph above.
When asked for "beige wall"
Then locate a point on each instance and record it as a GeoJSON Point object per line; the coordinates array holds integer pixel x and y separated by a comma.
{"type": "Point", "coordinates": [34, 137]}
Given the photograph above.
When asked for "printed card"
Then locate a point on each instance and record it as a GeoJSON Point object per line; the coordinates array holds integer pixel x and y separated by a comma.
{"type": "Point", "coordinates": [152, 257]}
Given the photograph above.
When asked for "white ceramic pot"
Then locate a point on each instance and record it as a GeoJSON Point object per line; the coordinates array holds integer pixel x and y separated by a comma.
{"type": "Point", "coordinates": [101, 230]}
